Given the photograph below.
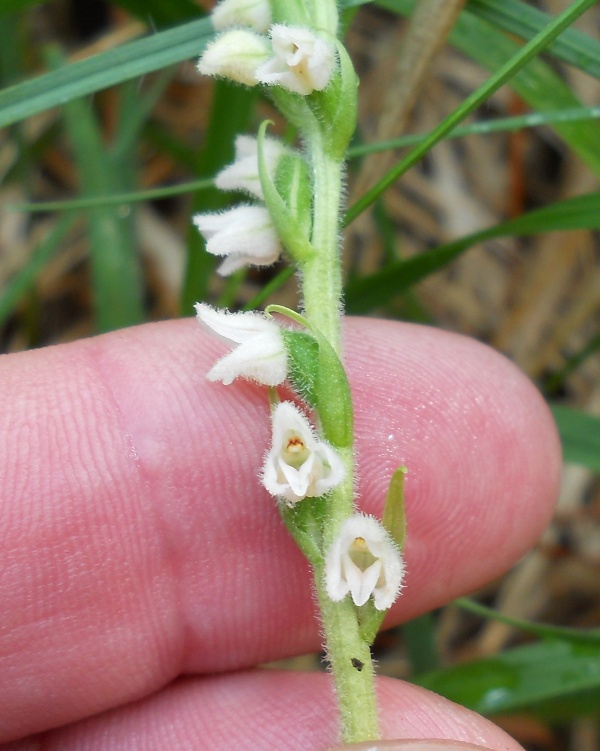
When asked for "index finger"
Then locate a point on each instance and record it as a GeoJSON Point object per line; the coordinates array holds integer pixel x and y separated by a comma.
{"type": "Point", "coordinates": [139, 543]}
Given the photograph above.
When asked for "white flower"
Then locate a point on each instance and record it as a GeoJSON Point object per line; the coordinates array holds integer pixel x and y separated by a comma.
{"type": "Point", "coordinates": [364, 561]}
{"type": "Point", "coordinates": [261, 355]}
{"type": "Point", "coordinates": [298, 464]}
{"type": "Point", "coordinates": [253, 13]}
{"type": "Point", "coordinates": [245, 235]}
{"type": "Point", "coordinates": [302, 62]}
{"type": "Point", "coordinates": [236, 55]}
{"type": "Point", "coordinates": [243, 173]}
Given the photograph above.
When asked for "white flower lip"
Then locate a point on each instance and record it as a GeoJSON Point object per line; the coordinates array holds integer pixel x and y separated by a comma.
{"type": "Point", "coordinates": [299, 465]}
{"type": "Point", "coordinates": [302, 61]}
{"type": "Point", "coordinates": [243, 173]}
{"type": "Point", "coordinates": [245, 235]}
{"type": "Point", "coordinates": [236, 55]}
{"type": "Point", "coordinates": [253, 13]}
{"type": "Point", "coordinates": [261, 354]}
{"type": "Point", "coordinates": [363, 562]}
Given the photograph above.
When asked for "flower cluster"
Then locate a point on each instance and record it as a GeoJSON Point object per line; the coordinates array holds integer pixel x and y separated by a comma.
{"type": "Point", "coordinates": [364, 560]}
{"type": "Point", "coordinates": [244, 235]}
{"type": "Point", "coordinates": [299, 465]}
{"type": "Point", "coordinates": [293, 57]}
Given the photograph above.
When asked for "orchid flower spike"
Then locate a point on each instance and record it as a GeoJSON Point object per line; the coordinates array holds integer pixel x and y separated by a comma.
{"type": "Point", "coordinates": [245, 235]}
{"type": "Point", "coordinates": [253, 13]}
{"type": "Point", "coordinates": [236, 55]}
{"type": "Point", "coordinates": [364, 561]}
{"type": "Point", "coordinates": [261, 355]}
{"type": "Point", "coordinates": [298, 464]}
{"type": "Point", "coordinates": [243, 173]}
{"type": "Point", "coordinates": [302, 61]}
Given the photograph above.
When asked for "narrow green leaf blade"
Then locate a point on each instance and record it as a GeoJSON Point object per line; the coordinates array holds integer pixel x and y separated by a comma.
{"type": "Point", "coordinates": [556, 679]}
{"type": "Point", "coordinates": [20, 284]}
{"type": "Point", "coordinates": [103, 70]}
{"type": "Point", "coordinates": [375, 290]}
{"type": "Point", "coordinates": [580, 436]}
{"type": "Point", "coordinates": [525, 21]}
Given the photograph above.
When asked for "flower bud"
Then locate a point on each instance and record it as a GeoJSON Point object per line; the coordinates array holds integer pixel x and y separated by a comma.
{"type": "Point", "coordinates": [236, 55]}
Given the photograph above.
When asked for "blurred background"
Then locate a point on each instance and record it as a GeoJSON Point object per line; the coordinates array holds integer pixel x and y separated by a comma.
{"type": "Point", "coordinates": [493, 234]}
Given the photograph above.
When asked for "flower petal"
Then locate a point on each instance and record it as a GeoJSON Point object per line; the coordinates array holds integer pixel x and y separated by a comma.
{"type": "Point", "coordinates": [261, 354]}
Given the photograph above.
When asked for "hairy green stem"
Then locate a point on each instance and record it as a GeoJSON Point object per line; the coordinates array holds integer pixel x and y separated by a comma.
{"type": "Point", "coordinates": [348, 653]}
{"type": "Point", "coordinates": [322, 276]}
{"type": "Point", "coordinates": [351, 664]}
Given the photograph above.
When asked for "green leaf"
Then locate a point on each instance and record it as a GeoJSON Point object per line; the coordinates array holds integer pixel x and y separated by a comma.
{"type": "Point", "coordinates": [537, 84]}
{"type": "Point", "coordinates": [333, 396]}
{"type": "Point", "coordinates": [394, 516]}
{"type": "Point", "coordinates": [544, 631]}
{"type": "Point", "coordinates": [116, 272]}
{"type": "Point", "coordinates": [556, 679]}
{"type": "Point", "coordinates": [292, 182]}
{"type": "Point", "coordinates": [20, 284]}
{"type": "Point", "coordinates": [104, 69]}
{"type": "Point", "coordinates": [303, 363]}
{"type": "Point", "coordinates": [482, 128]}
{"type": "Point", "coordinates": [506, 64]}
{"type": "Point", "coordinates": [362, 295]}
{"type": "Point", "coordinates": [525, 21]}
{"type": "Point", "coordinates": [335, 107]}
{"type": "Point", "coordinates": [580, 436]}
{"type": "Point", "coordinates": [288, 225]}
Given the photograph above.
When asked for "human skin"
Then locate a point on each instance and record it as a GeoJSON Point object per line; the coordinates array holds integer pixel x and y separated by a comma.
{"type": "Point", "coordinates": [144, 571]}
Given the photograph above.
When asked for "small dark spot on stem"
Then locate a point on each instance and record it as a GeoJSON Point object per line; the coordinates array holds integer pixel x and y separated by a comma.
{"type": "Point", "coordinates": [356, 663]}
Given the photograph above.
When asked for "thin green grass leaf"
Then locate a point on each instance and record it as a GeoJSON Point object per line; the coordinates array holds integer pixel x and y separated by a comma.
{"type": "Point", "coordinates": [420, 638]}
{"type": "Point", "coordinates": [117, 199]}
{"type": "Point", "coordinates": [485, 127]}
{"type": "Point", "coordinates": [104, 69]}
{"type": "Point", "coordinates": [556, 380]}
{"type": "Point", "coordinates": [537, 84]}
{"type": "Point", "coordinates": [523, 20]}
{"type": "Point", "coordinates": [23, 281]}
{"type": "Point", "coordinates": [116, 273]}
{"type": "Point", "coordinates": [505, 72]}
{"type": "Point", "coordinates": [270, 288]}
{"type": "Point", "coordinates": [555, 679]}
{"type": "Point", "coordinates": [132, 118]}
{"type": "Point", "coordinates": [375, 290]}
{"type": "Point", "coordinates": [541, 630]}
{"type": "Point", "coordinates": [580, 436]}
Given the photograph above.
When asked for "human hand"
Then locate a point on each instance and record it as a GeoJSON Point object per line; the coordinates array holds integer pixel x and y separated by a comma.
{"type": "Point", "coordinates": [139, 546]}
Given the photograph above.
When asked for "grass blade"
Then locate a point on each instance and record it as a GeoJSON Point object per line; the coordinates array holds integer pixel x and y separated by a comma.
{"type": "Point", "coordinates": [497, 125]}
{"type": "Point", "coordinates": [580, 436]}
{"type": "Point", "coordinates": [505, 72]}
{"type": "Point", "coordinates": [104, 69]}
{"type": "Point", "coordinates": [24, 279]}
{"type": "Point", "coordinates": [116, 275]}
{"type": "Point", "coordinates": [556, 679]}
{"type": "Point", "coordinates": [525, 21]}
{"type": "Point", "coordinates": [375, 290]}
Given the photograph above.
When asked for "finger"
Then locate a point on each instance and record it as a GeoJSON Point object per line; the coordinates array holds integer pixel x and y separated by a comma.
{"type": "Point", "coordinates": [263, 711]}
{"type": "Point", "coordinates": [139, 544]}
